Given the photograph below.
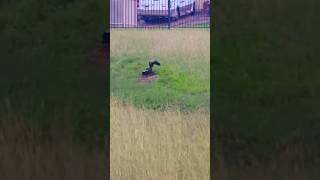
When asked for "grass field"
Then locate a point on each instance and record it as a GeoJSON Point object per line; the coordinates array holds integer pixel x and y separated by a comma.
{"type": "Point", "coordinates": [160, 130]}
{"type": "Point", "coordinates": [184, 73]}
{"type": "Point", "coordinates": [149, 144]}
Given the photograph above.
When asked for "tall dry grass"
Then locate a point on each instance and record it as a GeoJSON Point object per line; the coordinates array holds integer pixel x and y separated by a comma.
{"type": "Point", "coordinates": [154, 145]}
{"type": "Point", "coordinates": [24, 155]}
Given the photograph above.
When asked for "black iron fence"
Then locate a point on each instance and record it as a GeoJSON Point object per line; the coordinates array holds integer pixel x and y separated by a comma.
{"type": "Point", "coordinates": [159, 13]}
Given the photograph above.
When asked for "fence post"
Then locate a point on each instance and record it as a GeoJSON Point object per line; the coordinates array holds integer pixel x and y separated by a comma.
{"type": "Point", "coordinates": [169, 18]}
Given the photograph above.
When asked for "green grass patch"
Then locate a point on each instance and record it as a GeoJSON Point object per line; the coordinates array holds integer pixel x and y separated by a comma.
{"type": "Point", "coordinates": [184, 74]}
{"type": "Point", "coordinates": [174, 86]}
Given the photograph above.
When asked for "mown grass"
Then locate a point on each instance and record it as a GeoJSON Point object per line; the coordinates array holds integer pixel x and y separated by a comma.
{"type": "Point", "coordinates": [150, 144]}
{"type": "Point", "coordinates": [183, 75]}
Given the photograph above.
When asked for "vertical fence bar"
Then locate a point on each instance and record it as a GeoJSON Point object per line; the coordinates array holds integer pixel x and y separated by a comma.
{"type": "Point", "coordinates": [169, 14]}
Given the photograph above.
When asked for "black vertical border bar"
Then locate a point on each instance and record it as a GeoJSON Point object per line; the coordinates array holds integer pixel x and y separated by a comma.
{"type": "Point", "coordinates": [108, 108]}
{"type": "Point", "coordinates": [106, 42]}
{"type": "Point", "coordinates": [212, 90]}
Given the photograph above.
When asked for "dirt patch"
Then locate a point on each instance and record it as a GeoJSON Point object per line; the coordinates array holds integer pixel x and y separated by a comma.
{"type": "Point", "coordinates": [147, 79]}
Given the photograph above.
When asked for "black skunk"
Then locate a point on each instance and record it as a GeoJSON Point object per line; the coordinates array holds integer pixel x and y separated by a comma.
{"type": "Point", "coordinates": [149, 71]}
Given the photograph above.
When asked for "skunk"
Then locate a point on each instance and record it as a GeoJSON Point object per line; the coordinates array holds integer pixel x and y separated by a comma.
{"type": "Point", "coordinates": [148, 70]}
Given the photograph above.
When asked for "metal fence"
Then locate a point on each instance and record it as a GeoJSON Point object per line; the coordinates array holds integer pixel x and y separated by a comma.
{"type": "Point", "coordinates": [160, 13]}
